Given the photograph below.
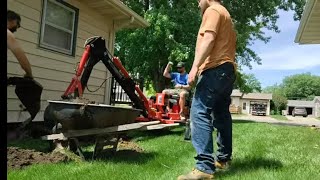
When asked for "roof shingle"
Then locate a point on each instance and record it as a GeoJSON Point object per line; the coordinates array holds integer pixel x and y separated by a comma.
{"type": "Point", "coordinates": [261, 96]}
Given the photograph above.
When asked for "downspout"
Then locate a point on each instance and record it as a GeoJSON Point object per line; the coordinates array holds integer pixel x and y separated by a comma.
{"type": "Point", "coordinates": [115, 28]}
{"type": "Point", "coordinates": [108, 85]}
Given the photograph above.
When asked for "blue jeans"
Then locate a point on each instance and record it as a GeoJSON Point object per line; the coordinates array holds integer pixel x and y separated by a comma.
{"type": "Point", "coordinates": [212, 98]}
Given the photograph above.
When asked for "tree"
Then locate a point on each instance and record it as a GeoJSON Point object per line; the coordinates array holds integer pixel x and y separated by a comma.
{"type": "Point", "coordinates": [279, 101]}
{"type": "Point", "coordinates": [301, 86]}
{"type": "Point", "coordinates": [174, 26]}
{"type": "Point", "coordinates": [247, 83]}
{"type": "Point", "coordinates": [252, 82]}
{"type": "Point", "coordinates": [170, 37]}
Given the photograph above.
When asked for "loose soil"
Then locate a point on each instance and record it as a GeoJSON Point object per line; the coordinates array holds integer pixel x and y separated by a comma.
{"type": "Point", "coordinates": [128, 145]}
{"type": "Point", "coordinates": [19, 158]}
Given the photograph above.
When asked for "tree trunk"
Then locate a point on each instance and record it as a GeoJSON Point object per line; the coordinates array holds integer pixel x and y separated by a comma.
{"type": "Point", "coordinates": [146, 5]}
{"type": "Point", "coordinates": [158, 82]}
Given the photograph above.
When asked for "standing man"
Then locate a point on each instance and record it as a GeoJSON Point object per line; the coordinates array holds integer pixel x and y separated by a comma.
{"type": "Point", "coordinates": [181, 86]}
{"type": "Point", "coordinates": [214, 63]}
{"type": "Point", "coordinates": [13, 23]}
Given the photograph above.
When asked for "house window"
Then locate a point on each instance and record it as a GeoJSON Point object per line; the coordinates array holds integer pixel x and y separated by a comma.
{"type": "Point", "coordinates": [244, 106]}
{"type": "Point", "coordinates": [58, 27]}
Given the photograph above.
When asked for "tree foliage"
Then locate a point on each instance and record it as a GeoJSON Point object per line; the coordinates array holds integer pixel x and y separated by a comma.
{"type": "Point", "coordinates": [302, 86]}
{"type": "Point", "coordinates": [296, 87]}
{"type": "Point", "coordinates": [279, 100]}
{"type": "Point", "coordinates": [247, 83]}
{"type": "Point", "coordinates": [174, 26]}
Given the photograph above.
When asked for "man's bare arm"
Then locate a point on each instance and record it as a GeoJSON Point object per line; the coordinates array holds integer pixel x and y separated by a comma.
{"type": "Point", "coordinates": [16, 49]}
{"type": "Point", "coordinates": [204, 48]}
{"type": "Point", "coordinates": [166, 72]}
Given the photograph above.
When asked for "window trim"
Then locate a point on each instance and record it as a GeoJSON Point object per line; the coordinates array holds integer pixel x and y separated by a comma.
{"type": "Point", "coordinates": [244, 106]}
{"type": "Point", "coordinates": [74, 36]}
{"type": "Point", "coordinates": [58, 27]}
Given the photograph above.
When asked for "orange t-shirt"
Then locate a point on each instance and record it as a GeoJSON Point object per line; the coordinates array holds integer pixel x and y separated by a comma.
{"type": "Point", "coordinates": [216, 18]}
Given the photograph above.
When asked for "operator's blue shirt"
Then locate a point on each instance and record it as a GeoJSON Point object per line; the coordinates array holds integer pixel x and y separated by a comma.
{"type": "Point", "coordinates": [179, 79]}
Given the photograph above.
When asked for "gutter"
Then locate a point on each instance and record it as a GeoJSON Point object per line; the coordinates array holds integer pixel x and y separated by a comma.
{"type": "Point", "coordinates": [120, 24]}
{"type": "Point", "coordinates": [304, 19]}
{"type": "Point", "coordinates": [129, 12]}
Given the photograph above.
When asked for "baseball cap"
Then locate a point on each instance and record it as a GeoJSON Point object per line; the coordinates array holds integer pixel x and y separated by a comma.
{"type": "Point", "coordinates": [180, 65]}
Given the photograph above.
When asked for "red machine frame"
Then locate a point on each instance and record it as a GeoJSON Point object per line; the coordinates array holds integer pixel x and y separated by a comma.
{"type": "Point", "coordinates": [95, 50]}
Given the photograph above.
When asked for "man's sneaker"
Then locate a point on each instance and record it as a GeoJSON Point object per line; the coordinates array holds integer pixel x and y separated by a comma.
{"type": "Point", "coordinates": [195, 174]}
{"type": "Point", "coordinates": [222, 165]}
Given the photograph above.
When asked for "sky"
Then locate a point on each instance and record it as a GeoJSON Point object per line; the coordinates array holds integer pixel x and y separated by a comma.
{"type": "Point", "coordinates": [281, 56]}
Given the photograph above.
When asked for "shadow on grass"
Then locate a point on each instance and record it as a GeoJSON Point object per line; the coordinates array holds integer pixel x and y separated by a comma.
{"type": "Point", "coordinates": [122, 156]}
{"type": "Point", "coordinates": [251, 164]}
{"type": "Point", "coordinates": [29, 143]}
{"type": "Point", "coordinates": [148, 135]}
{"type": "Point", "coordinates": [242, 121]}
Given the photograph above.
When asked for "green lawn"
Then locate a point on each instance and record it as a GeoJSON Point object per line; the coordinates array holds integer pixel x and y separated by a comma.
{"type": "Point", "coordinates": [261, 151]}
{"type": "Point", "coordinates": [279, 117]}
{"type": "Point", "coordinates": [318, 118]}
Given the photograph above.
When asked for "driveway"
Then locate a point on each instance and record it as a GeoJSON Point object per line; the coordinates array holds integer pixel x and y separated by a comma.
{"type": "Point", "coordinates": [300, 118]}
{"type": "Point", "coordinates": [294, 121]}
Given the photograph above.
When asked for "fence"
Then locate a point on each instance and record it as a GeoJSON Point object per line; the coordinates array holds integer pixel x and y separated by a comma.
{"type": "Point", "coordinates": [119, 96]}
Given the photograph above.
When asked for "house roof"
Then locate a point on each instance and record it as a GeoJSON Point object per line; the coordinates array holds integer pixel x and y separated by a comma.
{"type": "Point", "coordinates": [122, 15]}
{"type": "Point", "coordinates": [298, 103]}
{"type": "Point", "coordinates": [316, 98]}
{"type": "Point", "coordinates": [263, 96]}
{"type": "Point", "coordinates": [236, 93]}
{"type": "Point", "coordinates": [308, 31]}
{"type": "Point", "coordinates": [257, 96]}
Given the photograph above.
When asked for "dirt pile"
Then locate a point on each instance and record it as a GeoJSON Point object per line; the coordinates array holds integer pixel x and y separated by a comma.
{"type": "Point", "coordinates": [19, 158]}
{"type": "Point", "coordinates": [128, 145]}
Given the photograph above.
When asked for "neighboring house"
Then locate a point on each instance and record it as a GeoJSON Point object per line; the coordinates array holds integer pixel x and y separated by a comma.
{"type": "Point", "coordinates": [312, 107]}
{"type": "Point", "coordinates": [53, 33]}
{"type": "Point", "coordinates": [309, 28]}
{"type": "Point", "coordinates": [245, 102]}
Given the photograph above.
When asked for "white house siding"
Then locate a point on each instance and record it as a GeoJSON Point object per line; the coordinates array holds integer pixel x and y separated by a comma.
{"type": "Point", "coordinates": [53, 70]}
{"type": "Point", "coordinates": [247, 105]}
{"type": "Point", "coordinates": [236, 101]}
{"type": "Point", "coordinates": [268, 108]}
{"type": "Point", "coordinates": [317, 108]}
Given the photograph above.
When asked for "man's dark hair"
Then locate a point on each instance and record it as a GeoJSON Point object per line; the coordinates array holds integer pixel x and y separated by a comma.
{"type": "Point", "coordinates": [11, 16]}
